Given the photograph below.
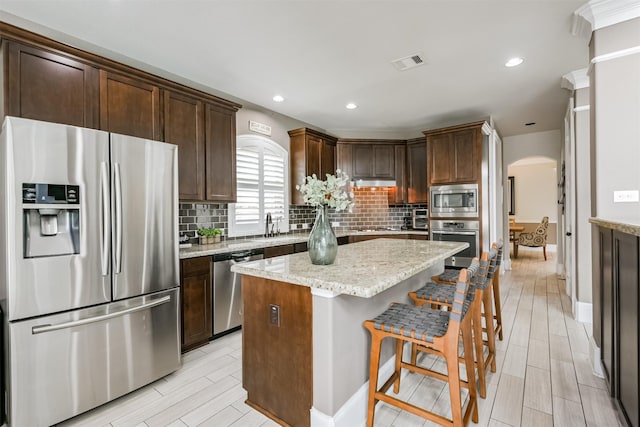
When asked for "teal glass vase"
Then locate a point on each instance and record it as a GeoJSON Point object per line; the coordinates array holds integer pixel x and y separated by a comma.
{"type": "Point", "coordinates": [323, 244]}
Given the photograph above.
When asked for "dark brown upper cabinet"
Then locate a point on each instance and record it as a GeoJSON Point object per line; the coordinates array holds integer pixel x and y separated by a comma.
{"type": "Point", "coordinates": [129, 106]}
{"type": "Point", "coordinates": [382, 160]}
{"type": "Point", "coordinates": [455, 154]}
{"type": "Point", "coordinates": [398, 194]}
{"type": "Point", "coordinates": [220, 153]}
{"type": "Point", "coordinates": [47, 80]}
{"type": "Point", "coordinates": [417, 191]}
{"type": "Point", "coordinates": [373, 161]}
{"type": "Point", "coordinates": [43, 85]}
{"type": "Point", "coordinates": [310, 152]}
{"type": "Point", "coordinates": [184, 126]}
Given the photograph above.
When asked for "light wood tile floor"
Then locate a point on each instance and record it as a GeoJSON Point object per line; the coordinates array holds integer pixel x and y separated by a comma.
{"type": "Point", "coordinates": [543, 376]}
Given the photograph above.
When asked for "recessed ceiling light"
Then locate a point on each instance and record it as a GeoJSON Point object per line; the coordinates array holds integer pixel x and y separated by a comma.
{"type": "Point", "coordinates": [513, 62]}
{"type": "Point", "coordinates": [278, 98]}
{"type": "Point", "coordinates": [351, 106]}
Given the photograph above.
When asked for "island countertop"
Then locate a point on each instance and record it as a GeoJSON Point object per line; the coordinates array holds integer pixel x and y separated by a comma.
{"type": "Point", "coordinates": [362, 269]}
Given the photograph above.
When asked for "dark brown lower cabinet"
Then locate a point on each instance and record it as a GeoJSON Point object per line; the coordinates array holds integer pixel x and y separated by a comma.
{"type": "Point", "coordinates": [419, 236]}
{"type": "Point", "coordinates": [608, 309]}
{"type": "Point", "coordinates": [195, 293]}
{"type": "Point", "coordinates": [273, 251]}
{"type": "Point", "coordinates": [625, 252]}
{"type": "Point", "coordinates": [362, 237]}
{"type": "Point", "coordinates": [618, 280]}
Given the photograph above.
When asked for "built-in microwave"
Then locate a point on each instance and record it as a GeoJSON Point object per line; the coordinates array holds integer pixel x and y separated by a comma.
{"type": "Point", "coordinates": [420, 219]}
{"type": "Point", "coordinates": [454, 201]}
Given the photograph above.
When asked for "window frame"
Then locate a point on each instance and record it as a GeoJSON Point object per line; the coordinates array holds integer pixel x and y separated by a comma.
{"type": "Point", "coordinates": [235, 230]}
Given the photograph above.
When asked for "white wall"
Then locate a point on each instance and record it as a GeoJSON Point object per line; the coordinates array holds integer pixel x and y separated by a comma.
{"type": "Point", "coordinates": [535, 195]}
{"type": "Point", "coordinates": [538, 144]}
{"type": "Point", "coordinates": [280, 124]}
{"type": "Point", "coordinates": [615, 110]}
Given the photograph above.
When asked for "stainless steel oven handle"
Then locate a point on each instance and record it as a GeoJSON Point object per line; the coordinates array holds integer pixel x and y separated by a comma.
{"type": "Point", "coordinates": [49, 328]}
{"type": "Point", "coordinates": [106, 221]}
{"type": "Point", "coordinates": [460, 233]}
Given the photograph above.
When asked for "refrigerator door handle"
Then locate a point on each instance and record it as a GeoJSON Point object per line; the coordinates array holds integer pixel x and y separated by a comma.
{"type": "Point", "coordinates": [106, 221]}
{"type": "Point", "coordinates": [50, 328]}
{"type": "Point", "coordinates": [118, 218]}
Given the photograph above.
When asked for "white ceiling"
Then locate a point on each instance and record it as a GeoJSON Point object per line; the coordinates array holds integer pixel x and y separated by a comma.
{"type": "Point", "coordinates": [321, 54]}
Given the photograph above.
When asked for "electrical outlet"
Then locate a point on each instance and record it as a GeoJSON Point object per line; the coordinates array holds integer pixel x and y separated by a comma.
{"type": "Point", "coordinates": [335, 224]}
{"type": "Point", "coordinates": [274, 314]}
{"type": "Point", "coordinates": [626, 196]}
{"type": "Point", "coordinates": [305, 226]}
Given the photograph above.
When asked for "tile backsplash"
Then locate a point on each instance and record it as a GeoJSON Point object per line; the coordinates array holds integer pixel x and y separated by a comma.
{"type": "Point", "coordinates": [372, 210]}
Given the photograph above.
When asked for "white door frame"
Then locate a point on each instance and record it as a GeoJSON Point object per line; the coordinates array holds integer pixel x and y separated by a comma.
{"type": "Point", "coordinates": [570, 208]}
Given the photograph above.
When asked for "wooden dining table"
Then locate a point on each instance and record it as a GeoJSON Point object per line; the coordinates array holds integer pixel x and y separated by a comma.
{"type": "Point", "coordinates": [514, 234]}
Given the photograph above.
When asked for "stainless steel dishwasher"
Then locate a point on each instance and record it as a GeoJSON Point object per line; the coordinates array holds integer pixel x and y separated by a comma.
{"type": "Point", "coordinates": [227, 294]}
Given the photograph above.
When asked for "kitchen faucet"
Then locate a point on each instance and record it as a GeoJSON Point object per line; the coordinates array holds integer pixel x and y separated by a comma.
{"type": "Point", "coordinates": [268, 222]}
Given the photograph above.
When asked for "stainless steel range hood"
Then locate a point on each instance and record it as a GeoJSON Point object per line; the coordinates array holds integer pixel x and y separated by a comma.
{"type": "Point", "coordinates": [364, 183]}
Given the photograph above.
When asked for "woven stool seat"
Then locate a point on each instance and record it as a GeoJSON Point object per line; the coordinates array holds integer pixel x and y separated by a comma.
{"type": "Point", "coordinates": [415, 322]}
{"type": "Point", "coordinates": [436, 292]}
{"type": "Point", "coordinates": [450, 275]}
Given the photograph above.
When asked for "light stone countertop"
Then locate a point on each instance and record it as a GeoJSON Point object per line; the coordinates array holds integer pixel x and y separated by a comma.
{"type": "Point", "coordinates": [362, 269]}
{"type": "Point", "coordinates": [625, 227]}
{"type": "Point", "coordinates": [265, 242]}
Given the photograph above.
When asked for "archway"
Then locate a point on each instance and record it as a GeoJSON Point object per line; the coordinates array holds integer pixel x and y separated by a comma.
{"type": "Point", "coordinates": [531, 193]}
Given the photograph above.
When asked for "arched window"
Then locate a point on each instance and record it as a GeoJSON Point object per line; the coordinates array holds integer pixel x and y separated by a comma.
{"type": "Point", "coordinates": [262, 174]}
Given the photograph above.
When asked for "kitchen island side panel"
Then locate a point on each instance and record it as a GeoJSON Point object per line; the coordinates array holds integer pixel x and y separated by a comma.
{"type": "Point", "coordinates": [277, 353]}
{"type": "Point", "coordinates": [342, 346]}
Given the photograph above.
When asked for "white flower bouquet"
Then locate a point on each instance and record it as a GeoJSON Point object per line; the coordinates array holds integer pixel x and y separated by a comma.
{"type": "Point", "coordinates": [333, 192]}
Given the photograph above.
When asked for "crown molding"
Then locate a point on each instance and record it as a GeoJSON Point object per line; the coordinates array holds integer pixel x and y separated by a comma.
{"type": "Point", "coordinates": [602, 13]}
{"type": "Point", "coordinates": [575, 80]}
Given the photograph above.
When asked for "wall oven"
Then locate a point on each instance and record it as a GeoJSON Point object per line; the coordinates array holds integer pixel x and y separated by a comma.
{"type": "Point", "coordinates": [458, 231]}
{"type": "Point", "coordinates": [454, 201]}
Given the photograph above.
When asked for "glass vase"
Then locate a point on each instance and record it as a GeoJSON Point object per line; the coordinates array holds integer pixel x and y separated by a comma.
{"type": "Point", "coordinates": [323, 244]}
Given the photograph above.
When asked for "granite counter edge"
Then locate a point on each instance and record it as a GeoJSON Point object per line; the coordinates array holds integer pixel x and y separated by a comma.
{"type": "Point", "coordinates": [633, 229]}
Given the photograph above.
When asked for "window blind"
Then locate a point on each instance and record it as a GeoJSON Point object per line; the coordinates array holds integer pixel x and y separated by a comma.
{"type": "Point", "coordinates": [262, 186]}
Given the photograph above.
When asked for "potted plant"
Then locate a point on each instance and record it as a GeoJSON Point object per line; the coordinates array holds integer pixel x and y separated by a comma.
{"type": "Point", "coordinates": [206, 236]}
{"type": "Point", "coordinates": [217, 234]}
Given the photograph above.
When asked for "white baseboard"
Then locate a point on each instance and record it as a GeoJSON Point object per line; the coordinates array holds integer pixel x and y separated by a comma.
{"type": "Point", "coordinates": [594, 358]}
{"type": "Point", "coordinates": [354, 411]}
{"type": "Point", "coordinates": [584, 312]}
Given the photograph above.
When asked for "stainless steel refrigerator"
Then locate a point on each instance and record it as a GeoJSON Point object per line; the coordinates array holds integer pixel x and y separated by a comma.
{"type": "Point", "coordinates": [89, 276]}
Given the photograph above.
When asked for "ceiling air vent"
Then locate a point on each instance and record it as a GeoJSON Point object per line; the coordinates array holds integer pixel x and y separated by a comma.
{"type": "Point", "coordinates": [407, 62]}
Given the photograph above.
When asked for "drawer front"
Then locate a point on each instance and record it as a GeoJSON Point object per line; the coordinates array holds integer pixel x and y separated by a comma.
{"type": "Point", "coordinates": [195, 266]}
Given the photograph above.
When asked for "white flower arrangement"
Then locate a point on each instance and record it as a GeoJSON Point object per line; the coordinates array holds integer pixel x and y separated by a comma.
{"type": "Point", "coordinates": [333, 192]}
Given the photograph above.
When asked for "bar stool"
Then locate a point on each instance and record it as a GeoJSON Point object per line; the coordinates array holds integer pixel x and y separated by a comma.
{"type": "Point", "coordinates": [495, 285]}
{"type": "Point", "coordinates": [434, 329]}
{"type": "Point", "coordinates": [439, 295]}
{"type": "Point", "coordinates": [449, 277]}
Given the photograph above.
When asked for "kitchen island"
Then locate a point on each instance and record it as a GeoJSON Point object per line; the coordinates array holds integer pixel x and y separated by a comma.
{"type": "Point", "coordinates": [305, 356]}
